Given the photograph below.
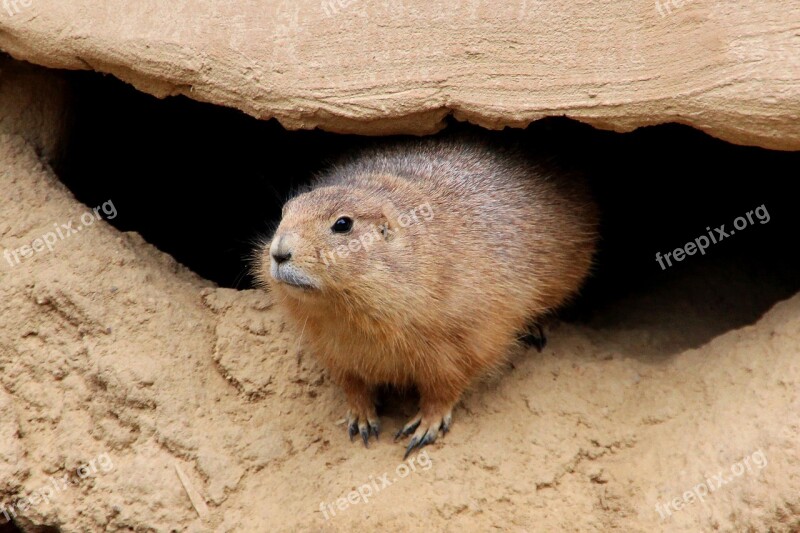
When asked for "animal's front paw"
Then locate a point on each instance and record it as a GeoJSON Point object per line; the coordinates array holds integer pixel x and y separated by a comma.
{"type": "Point", "coordinates": [365, 422]}
{"type": "Point", "coordinates": [425, 429]}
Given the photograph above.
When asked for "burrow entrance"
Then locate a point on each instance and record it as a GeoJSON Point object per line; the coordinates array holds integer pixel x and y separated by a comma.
{"type": "Point", "coordinates": [202, 182]}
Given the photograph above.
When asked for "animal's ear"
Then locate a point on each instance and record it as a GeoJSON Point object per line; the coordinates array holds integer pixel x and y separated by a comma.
{"type": "Point", "coordinates": [389, 223]}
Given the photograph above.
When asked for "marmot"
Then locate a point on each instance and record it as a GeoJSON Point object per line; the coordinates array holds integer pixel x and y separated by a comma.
{"type": "Point", "coordinates": [420, 263]}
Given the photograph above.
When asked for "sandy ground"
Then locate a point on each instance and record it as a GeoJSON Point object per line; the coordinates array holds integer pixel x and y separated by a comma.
{"type": "Point", "coordinates": [174, 405]}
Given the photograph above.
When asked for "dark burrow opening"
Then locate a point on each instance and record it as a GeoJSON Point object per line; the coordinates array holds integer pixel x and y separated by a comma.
{"type": "Point", "coordinates": [202, 182]}
{"type": "Point", "coordinates": [9, 527]}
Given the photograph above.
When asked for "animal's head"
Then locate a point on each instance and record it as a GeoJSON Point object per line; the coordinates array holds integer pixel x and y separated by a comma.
{"type": "Point", "coordinates": [333, 240]}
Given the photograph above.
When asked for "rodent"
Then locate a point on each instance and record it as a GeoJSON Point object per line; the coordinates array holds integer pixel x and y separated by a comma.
{"type": "Point", "coordinates": [419, 263]}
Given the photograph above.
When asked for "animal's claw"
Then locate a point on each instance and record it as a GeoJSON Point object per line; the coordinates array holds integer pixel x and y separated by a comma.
{"type": "Point", "coordinates": [365, 425]}
{"type": "Point", "coordinates": [538, 340]}
{"type": "Point", "coordinates": [425, 430]}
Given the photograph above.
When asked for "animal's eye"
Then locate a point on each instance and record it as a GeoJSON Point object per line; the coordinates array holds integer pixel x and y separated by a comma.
{"type": "Point", "coordinates": [342, 225]}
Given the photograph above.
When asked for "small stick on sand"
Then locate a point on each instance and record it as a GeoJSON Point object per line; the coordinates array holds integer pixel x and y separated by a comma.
{"type": "Point", "coordinates": [198, 502]}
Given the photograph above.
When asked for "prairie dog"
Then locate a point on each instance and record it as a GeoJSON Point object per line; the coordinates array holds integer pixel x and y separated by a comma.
{"type": "Point", "coordinates": [419, 264]}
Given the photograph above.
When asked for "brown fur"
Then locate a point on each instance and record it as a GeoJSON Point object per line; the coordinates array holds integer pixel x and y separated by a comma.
{"type": "Point", "coordinates": [439, 302]}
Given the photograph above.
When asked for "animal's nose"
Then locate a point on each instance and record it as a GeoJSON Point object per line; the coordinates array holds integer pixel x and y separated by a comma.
{"type": "Point", "coordinates": [280, 250]}
{"type": "Point", "coordinates": [281, 257]}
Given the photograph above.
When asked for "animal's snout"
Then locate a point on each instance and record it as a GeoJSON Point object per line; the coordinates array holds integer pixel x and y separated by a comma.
{"type": "Point", "coordinates": [281, 250]}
